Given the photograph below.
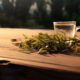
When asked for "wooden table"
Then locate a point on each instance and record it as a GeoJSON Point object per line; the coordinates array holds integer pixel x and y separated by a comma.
{"type": "Point", "coordinates": [56, 62]}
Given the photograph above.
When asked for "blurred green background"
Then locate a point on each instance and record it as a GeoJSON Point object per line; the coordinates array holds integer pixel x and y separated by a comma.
{"type": "Point", "coordinates": [37, 13]}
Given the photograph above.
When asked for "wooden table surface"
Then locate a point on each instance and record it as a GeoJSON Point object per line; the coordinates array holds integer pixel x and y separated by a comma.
{"type": "Point", "coordinates": [56, 61]}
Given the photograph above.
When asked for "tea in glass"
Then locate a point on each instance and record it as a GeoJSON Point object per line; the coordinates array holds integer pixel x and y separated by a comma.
{"type": "Point", "coordinates": [67, 27]}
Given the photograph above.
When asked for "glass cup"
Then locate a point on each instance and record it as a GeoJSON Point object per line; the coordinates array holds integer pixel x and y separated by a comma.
{"type": "Point", "coordinates": [66, 27]}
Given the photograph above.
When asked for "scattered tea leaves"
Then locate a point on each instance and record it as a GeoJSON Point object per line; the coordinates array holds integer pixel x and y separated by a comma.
{"type": "Point", "coordinates": [46, 42]}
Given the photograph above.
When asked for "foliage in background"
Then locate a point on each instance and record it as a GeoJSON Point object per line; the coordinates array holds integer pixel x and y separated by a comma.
{"type": "Point", "coordinates": [7, 7]}
{"type": "Point", "coordinates": [22, 8]}
{"type": "Point", "coordinates": [61, 10]}
{"type": "Point", "coordinates": [72, 6]}
{"type": "Point", "coordinates": [57, 9]}
{"type": "Point", "coordinates": [32, 25]}
{"type": "Point", "coordinates": [14, 16]}
{"type": "Point", "coordinates": [48, 43]}
{"type": "Point", "coordinates": [40, 15]}
{"type": "Point", "coordinates": [10, 21]}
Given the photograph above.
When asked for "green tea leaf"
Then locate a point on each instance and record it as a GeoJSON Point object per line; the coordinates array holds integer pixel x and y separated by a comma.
{"type": "Point", "coordinates": [41, 51]}
{"type": "Point", "coordinates": [75, 36]}
{"type": "Point", "coordinates": [26, 47]}
{"type": "Point", "coordinates": [64, 50]}
{"type": "Point", "coordinates": [76, 46]}
{"type": "Point", "coordinates": [25, 36]}
{"type": "Point", "coordinates": [17, 44]}
{"type": "Point", "coordinates": [46, 42]}
{"type": "Point", "coordinates": [74, 39]}
{"type": "Point", "coordinates": [13, 40]}
{"type": "Point", "coordinates": [56, 44]}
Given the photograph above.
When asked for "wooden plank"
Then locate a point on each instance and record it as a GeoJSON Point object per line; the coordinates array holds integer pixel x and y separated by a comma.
{"type": "Point", "coordinates": [55, 61]}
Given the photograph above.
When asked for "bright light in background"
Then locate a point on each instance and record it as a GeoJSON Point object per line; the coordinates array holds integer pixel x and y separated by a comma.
{"type": "Point", "coordinates": [0, 1]}
{"type": "Point", "coordinates": [34, 6]}
{"type": "Point", "coordinates": [1, 4]}
{"type": "Point", "coordinates": [48, 7]}
{"type": "Point", "coordinates": [14, 4]}
{"type": "Point", "coordinates": [14, 0]}
{"type": "Point", "coordinates": [48, 1]}
{"type": "Point", "coordinates": [10, 0]}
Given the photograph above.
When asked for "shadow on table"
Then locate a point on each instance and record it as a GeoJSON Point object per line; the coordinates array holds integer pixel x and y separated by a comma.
{"type": "Point", "coordinates": [13, 71]}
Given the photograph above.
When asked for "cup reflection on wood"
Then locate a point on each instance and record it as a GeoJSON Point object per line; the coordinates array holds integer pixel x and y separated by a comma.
{"type": "Point", "coordinates": [67, 27]}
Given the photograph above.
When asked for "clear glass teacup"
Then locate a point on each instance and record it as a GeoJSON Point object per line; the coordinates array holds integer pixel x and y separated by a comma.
{"type": "Point", "coordinates": [66, 27]}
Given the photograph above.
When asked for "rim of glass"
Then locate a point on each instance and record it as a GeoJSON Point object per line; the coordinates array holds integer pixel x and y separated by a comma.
{"type": "Point", "coordinates": [65, 22]}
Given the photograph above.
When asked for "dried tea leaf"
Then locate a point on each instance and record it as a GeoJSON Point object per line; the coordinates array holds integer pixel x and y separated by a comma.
{"type": "Point", "coordinates": [76, 47]}
{"type": "Point", "coordinates": [42, 51]}
{"type": "Point", "coordinates": [25, 36]}
{"type": "Point", "coordinates": [13, 40]}
{"type": "Point", "coordinates": [58, 43]}
{"type": "Point", "coordinates": [64, 50]}
{"type": "Point", "coordinates": [26, 47]}
{"type": "Point", "coordinates": [17, 44]}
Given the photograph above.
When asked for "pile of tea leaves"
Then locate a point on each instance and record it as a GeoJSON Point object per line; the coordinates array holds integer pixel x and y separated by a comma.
{"type": "Point", "coordinates": [44, 43]}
